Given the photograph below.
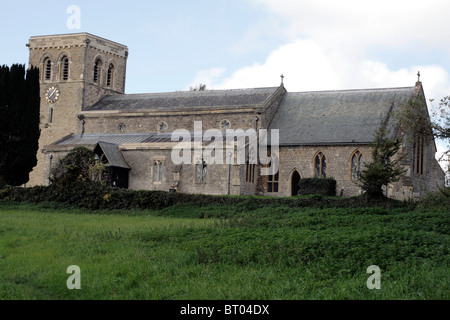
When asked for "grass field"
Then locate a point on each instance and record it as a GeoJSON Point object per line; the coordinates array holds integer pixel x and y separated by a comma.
{"type": "Point", "coordinates": [223, 252]}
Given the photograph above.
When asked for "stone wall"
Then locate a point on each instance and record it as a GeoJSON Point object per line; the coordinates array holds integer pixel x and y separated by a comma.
{"type": "Point", "coordinates": [141, 177]}
{"type": "Point", "coordinates": [138, 122]}
{"type": "Point", "coordinates": [301, 159]}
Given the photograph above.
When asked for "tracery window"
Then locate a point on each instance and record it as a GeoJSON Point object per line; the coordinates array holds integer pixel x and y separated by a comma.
{"type": "Point", "coordinates": [250, 172]}
{"type": "Point", "coordinates": [418, 155]}
{"type": "Point", "coordinates": [320, 166]}
{"type": "Point", "coordinates": [357, 165]}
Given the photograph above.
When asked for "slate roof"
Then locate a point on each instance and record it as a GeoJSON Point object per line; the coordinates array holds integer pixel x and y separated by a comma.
{"type": "Point", "coordinates": [93, 139]}
{"type": "Point", "coordinates": [186, 99]}
{"type": "Point", "coordinates": [113, 155]}
{"type": "Point", "coordinates": [335, 117]}
{"type": "Point", "coordinates": [118, 139]}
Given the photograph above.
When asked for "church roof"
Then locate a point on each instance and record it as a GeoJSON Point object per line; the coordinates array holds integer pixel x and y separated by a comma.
{"type": "Point", "coordinates": [335, 117]}
{"type": "Point", "coordinates": [93, 139]}
{"type": "Point", "coordinates": [185, 99]}
{"type": "Point", "coordinates": [113, 155]}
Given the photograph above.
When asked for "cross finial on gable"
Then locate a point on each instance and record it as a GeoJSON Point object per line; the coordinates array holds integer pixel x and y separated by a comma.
{"type": "Point", "coordinates": [418, 76]}
{"type": "Point", "coordinates": [282, 77]}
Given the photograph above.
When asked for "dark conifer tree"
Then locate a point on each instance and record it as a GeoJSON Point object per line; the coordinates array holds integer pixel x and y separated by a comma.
{"type": "Point", "coordinates": [19, 122]}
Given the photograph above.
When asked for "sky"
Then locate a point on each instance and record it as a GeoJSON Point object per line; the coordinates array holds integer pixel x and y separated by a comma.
{"type": "Point", "coordinates": [227, 44]}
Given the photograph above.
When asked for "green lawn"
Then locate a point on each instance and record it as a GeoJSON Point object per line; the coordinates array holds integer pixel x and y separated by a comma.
{"type": "Point", "coordinates": [220, 252]}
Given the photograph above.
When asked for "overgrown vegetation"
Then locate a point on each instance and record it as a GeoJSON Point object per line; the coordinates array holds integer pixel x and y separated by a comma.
{"type": "Point", "coordinates": [223, 251]}
{"type": "Point", "coordinates": [79, 165]}
{"type": "Point", "coordinates": [96, 196]}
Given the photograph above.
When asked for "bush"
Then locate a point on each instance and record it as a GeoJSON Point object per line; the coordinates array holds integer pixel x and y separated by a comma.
{"type": "Point", "coordinates": [96, 196]}
{"type": "Point", "coordinates": [314, 186]}
{"type": "Point", "coordinates": [438, 199]}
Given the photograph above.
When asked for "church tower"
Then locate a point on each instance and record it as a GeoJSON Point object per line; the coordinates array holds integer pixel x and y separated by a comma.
{"type": "Point", "coordinates": [76, 70]}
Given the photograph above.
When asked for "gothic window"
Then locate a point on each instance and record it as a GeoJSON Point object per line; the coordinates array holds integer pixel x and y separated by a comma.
{"type": "Point", "coordinates": [250, 172]}
{"type": "Point", "coordinates": [320, 166]}
{"type": "Point", "coordinates": [158, 167]}
{"type": "Point", "coordinates": [274, 175]}
{"type": "Point", "coordinates": [65, 68]}
{"type": "Point", "coordinates": [250, 166]}
{"type": "Point", "coordinates": [109, 80]}
{"type": "Point", "coordinates": [97, 70]}
{"type": "Point", "coordinates": [418, 155]}
{"type": "Point", "coordinates": [48, 69]}
{"type": "Point", "coordinates": [201, 170]}
{"type": "Point", "coordinates": [357, 165]}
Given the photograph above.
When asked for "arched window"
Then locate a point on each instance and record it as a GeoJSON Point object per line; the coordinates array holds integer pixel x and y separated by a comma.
{"type": "Point", "coordinates": [65, 68]}
{"type": "Point", "coordinates": [97, 70]}
{"type": "Point", "coordinates": [274, 175]}
{"type": "Point", "coordinates": [201, 170]}
{"type": "Point", "coordinates": [320, 166]}
{"type": "Point", "coordinates": [158, 167]}
{"type": "Point", "coordinates": [251, 166]}
{"type": "Point", "coordinates": [418, 155]}
{"type": "Point", "coordinates": [109, 80]}
{"type": "Point", "coordinates": [50, 115]}
{"type": "Point", "coordinates": [357, 165]}
{"type": "Point", "coordinates": [48, 69]}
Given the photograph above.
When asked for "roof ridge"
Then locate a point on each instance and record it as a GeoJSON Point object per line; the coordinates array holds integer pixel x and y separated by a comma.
{"type": "Point", "coordinates": [193, 91]}
{"type": "Point", "coordinates": [352, 90]}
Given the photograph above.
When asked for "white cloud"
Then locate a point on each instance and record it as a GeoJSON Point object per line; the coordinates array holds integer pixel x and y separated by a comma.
{"type": "Point", "coordinates": [206, 77]}
{"type": "Point", "coordinates": [385, 22]}
{"type": "Point", "coordinates": [308, 66]}
{"type": "Point", "coordinates": [331, 44]}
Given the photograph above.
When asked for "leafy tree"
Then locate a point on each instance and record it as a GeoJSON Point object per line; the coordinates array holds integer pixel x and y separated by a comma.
{"type": "Point", "coordinates": [415, 121]}
{"type": "Point", "coordinates": [80, 164]}
{"type": "Point", "coordinates": [19, 122]}
{"type": "Point", "coordinates": [200, 87]}
{"type": "Point", "coordinates": [384, 168]}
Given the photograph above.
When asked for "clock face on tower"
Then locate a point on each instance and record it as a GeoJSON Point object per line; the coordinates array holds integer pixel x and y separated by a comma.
{"type": "Point", "coordinates": [52, 94]}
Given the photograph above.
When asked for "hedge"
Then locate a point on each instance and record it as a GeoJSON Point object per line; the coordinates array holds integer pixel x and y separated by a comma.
{"type": "Point", "coordinates": [310, 186]}
{"type": "Point", "coordinates": [99, 197]}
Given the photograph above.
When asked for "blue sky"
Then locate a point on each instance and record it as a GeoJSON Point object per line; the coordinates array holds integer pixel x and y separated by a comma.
{"type": "Point", "coordinates": [317, 45]}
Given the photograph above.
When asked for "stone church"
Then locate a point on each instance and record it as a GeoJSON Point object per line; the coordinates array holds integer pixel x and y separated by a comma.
{"type": "Point", "coordinates": [321, 134]}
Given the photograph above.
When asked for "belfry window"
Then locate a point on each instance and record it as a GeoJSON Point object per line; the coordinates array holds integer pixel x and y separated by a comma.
{"type": "Point", "coordinates": [48, 69]}
{"type": "Point", "coordinates": [97, 70]}
{"type": "Point", "coordinates": [65, 68]}
{"type": "Point", "coordinates": [320, 166]}
{"type": "Point", "coordinates": [357, 165]}
{"type": "Point", "coordinates": [109, 80]}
